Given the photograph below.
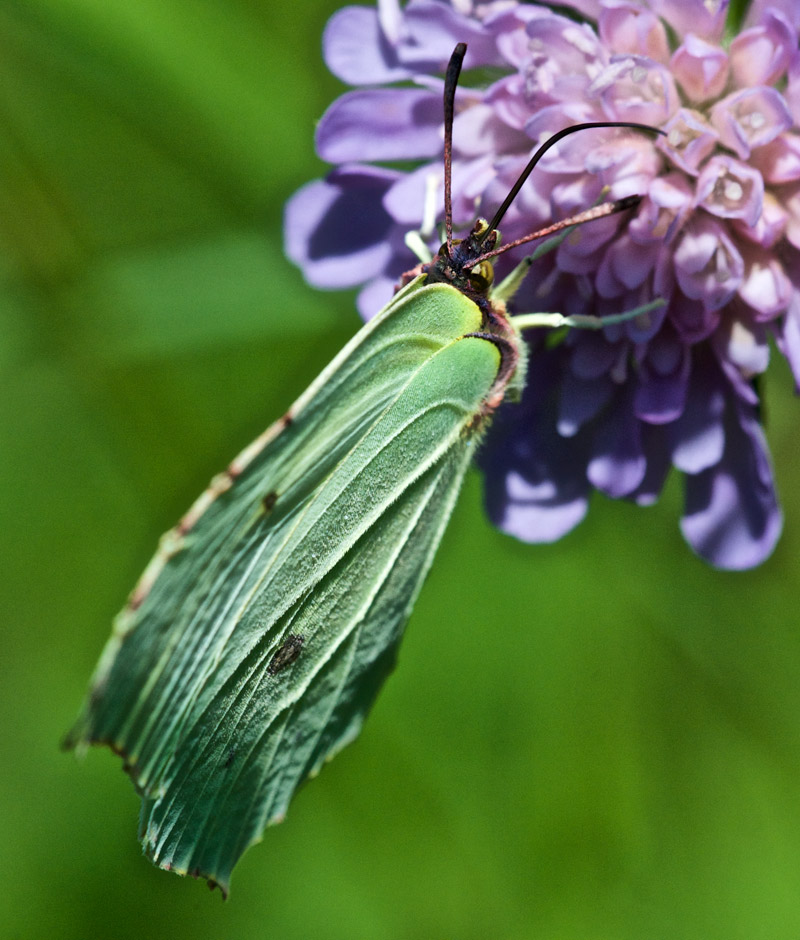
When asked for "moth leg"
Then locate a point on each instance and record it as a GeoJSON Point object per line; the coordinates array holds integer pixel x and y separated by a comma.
{"type": "Point", "coordinates": [527, 321]}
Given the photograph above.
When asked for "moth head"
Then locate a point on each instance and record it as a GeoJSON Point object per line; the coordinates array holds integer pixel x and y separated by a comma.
{"type": "Point", "coordinates": [481, 277]}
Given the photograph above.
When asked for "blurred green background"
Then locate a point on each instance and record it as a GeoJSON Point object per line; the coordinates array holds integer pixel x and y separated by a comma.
{"type": "Point", "coordinates": [592, 740]}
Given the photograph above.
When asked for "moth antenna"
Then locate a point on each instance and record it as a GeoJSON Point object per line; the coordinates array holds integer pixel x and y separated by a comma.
{"type": "Point", "coordinates": [450, 84]}
{"type": "Point", "coordinates": [541, 151]}
{"type": "Point", "coordinates": [589, 215]}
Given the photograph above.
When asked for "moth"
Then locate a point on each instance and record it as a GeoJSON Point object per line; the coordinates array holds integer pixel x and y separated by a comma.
{"type": "Point", "coordinates": [257, 638]}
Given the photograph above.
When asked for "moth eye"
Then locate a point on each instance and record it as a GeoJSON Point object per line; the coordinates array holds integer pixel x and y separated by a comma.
{"type": "Point", "coordinates": [482, 276]}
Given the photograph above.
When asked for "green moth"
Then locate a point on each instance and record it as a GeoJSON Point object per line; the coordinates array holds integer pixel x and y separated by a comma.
{"type": "Point", "coordinates": [257, 638]}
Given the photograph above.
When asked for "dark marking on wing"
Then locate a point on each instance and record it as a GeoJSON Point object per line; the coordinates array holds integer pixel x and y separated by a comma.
{"type": "Point", "coordinates": [287, 654]}
{"type": "Point", "coordinates": [287, 420]}
{"type": "Point", "coordinates": [268, 502]}
{"type": "Point", "coordinates": [229, 758]}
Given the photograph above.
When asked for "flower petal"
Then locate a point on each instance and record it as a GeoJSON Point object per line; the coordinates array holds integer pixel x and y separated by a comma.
{"type": "Point", "coordinates": [770, 227]}
{"type": "Point", "coordinates": [698, 436]}
{"type": "Point", "coordinates": [761, 54]}
{"type": "Point", "coordinates": [789, 337]}
{"type": "Point", "coordinates": [731, 190]}
{"type": "Point", "coordinates": [381, 124]}
{"type": "Point", "coordinates": [663, 380]}
{"type": "Point", "coordinates": [765, 288]}
{"type": "Point", "coordinates": [692, 320]}
{"type": "Point", "coordinates": [704, 18]}
{"type": "Point", "coordinates": [732, 518]}
{"type": "Point", "coordinates": [690, 139]}
{"type": "Point", "coordinates": [634, 88]}
{"type": "Point", "coordinates": [431, 30]}
{"type": "Point", "coordinates": [618, 464]}
{"type": "Point", "coordinates": [356, 50]}
{"type": "Point", "coordinates": [337, 230]}
{"type": "Point", "coordinates": [708, 265]}
{"type": "Point", "coordinates": [779, 161]}
{"type": "Point", "coordinates": [700, 68]}
{"type": "Point", "coordinates": [657, 455]}
{"type": "Point", "coordinates": [581, 401]}
{"type": "Point", "coordinates": [628, 28]}
{"type": "Point", "coordinates": [750, 118]}
{"type": "Point", "coordinates": [374, 295]}
{"type": "Point", "coordinates": [564, 58]}
{"type": "Point", "coordinates": [535, 485]}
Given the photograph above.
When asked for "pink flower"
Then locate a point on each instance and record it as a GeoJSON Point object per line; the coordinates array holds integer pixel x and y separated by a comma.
{"type": "Point", "coordinates": [717, 235]}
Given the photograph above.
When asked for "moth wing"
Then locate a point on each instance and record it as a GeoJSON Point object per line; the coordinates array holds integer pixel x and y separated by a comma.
{"type": "Point", "coordinates": [324, 529]}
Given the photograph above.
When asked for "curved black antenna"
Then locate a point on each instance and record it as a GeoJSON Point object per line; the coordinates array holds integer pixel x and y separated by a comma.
{"type": "Point", "coordinates": [450, 84]}
{"type": "Point", "coordinates": [550, 142]}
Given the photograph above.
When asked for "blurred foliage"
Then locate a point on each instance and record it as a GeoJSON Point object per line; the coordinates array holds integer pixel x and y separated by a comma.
{"type": "Point", "coordinates": [591, 740]}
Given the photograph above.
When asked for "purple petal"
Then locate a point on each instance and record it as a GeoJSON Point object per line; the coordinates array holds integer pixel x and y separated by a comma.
{"type": "Point", "coordinates": [431, 30]}
{"type": "Point", "coordinates": [707, 263]}
{"type": "Point", "coordinates": [337, 230]}
{"type": "Point", "coordinates": [732, 518]}
{"type": "Point", "coordinates": [479, 130]}
{"type": "Point", "coordinates": [789, 337]}
{"type": "Point", "coordinates": [581, 401]}
{"type": "Point", "coordinates": [381, 124]}
{"type": "Point", "coordinates": [374, 296]}
{"type": "Point", "coordinates": [792, 92]}
{"type": "Point", "coordinates": [750, 118]}
{"type": "Point", "coordinates": [760, 55]}
{"type": "Point", "coordinates": [698, 436]}
{"type": "Point", "coordinates": [731, 190]}
{"type": "Point", "coordinates": [592, 356]}
{"type": "Point", "coordinates": [765, 288]}
{"type": "Point", "coordinates": [700, 68]}
{"type": "Point", "coordinates": [563, 55]}
{"type": "Point", "coordinates": [405, 199]}
{"type": "Point", "coordinates": [591, 9]}
{"type": "Point", "coordinates": [693, 321]}
{"type": "Point", "coordinates": [690, 139]}
{"type": "Point", "coordinates": [791, 202]}
{"type": "Point", "coordinates": [536, 487]}
{"type": "Point", "coordinates": [733, 348]}
{"type": "Point", "coordinates": [578, 253]}
{"type": "Point", "coordinates": [704, 18]}
{"type": "Point", "coordinates": [770, 227]}
{"type": "Point", "coordinates": [744, 352]}
{"type": "Point", "coordinates": [757, 9]}
{"type": "Point", "coordinates": [632, 263]}
{"type": "Point", "coordinates": [508, 25]}
{"type": "Point", "coordinates": [356, 50]}
{"type": "Point", "coordinates": [633, 88]}
{"type": "Point", "coordinates": [505, 96]}
{"type": "Point", "coordinates": [668, 204]}
{"type": "Point", "coordinates": [779, 161]}
{"type": "Point", "coordinates": [539, 511]}
{"type": "Point", "coordinates": [390, 15]}
{"type": "Point", "coordinates": [618, 464]}
{"type": "Point", "coordinates": [655, 443]}
{"type": "Point", "coordinates": [626, 27]}
{"type": "Point", "coordinates": [663, 380]}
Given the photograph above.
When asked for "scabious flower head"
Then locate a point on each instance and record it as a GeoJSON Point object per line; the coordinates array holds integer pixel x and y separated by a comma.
{"type": "Point", "coordinates": [717, 234]}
